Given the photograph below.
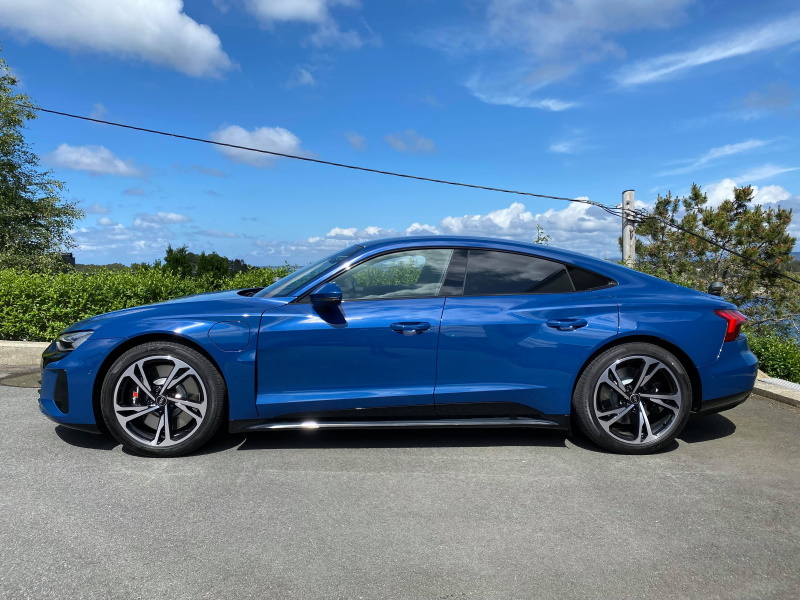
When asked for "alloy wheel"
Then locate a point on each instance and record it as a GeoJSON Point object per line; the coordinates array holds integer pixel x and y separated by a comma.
{"type": "Point", "coordinates": [160, 401]}
{"type": "Point", "coordinates": [637, 400]}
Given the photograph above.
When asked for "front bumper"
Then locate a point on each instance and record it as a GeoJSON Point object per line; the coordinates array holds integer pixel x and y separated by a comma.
{"type": "Point", "coordinates": [68, 382]}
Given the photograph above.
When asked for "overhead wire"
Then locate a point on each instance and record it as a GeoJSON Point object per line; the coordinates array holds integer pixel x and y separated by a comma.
{"type": "Point", "coordinates": [614, 210]}
{"type": "Point", "coordinates": [311, 159]}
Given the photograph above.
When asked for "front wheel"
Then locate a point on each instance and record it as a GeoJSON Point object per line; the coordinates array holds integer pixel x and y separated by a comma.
{"type": "Point", "coordinates": [633, 399]}
{"type": "Point", "coordinates": [162, 399]}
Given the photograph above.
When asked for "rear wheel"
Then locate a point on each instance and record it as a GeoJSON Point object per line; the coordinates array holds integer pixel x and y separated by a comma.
{"type": "Point", "coordinates": [162, 399]}
{"type": "Point", "coordinates": [633, 399]}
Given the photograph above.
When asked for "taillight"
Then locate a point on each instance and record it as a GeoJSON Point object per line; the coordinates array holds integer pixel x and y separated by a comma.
{"type": "Point", "coordinates": [734, 319]}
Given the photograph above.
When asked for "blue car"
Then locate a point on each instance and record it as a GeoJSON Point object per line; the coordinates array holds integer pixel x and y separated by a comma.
{"type": "Point", "coordinates": [410, 332]}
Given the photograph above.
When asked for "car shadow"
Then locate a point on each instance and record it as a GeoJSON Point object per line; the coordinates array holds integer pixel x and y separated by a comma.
{"type": "Point", "coordinates": [703, 429]}
{"type": "Point", "coordinates": [387, 438]}
{"type": "Point", "coordinates": [83, 439]}
{"type": "Point", "coordinates": [707, 428]}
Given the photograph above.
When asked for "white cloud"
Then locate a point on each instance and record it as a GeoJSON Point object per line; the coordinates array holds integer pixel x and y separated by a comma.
{"type": "Point", "coordinates": [777, 96]}
{"type": "Point", "coordinates": [757, 39]}
{"type": "Point", "coordinates": [581, 29]}
{"type": "Point", "coordinates": [210, 171]}
{"type": "Point", "coordinates": [309, 11]}
{"type": "Point", "coordinates": [514, 90]}
{"type": "Point", "coordinates": [159, 220]}
{"type": "Point", "coordinates": [772, 194]}
{"type": "Point", "coordinates": [525, 45]}
{"type": "Point", "coordinates": [106, 222]}
{"type": "Point", "coordinates": [275, 139]}
{"type": "Point", "coordinates": [316, 12]}
{"type": "Point", "coordinates": [411, 141]}
{"type": "Point", "coordinates": [720, 191]}
{"type": "Point", "coordinates": [301, 77]}
{"type": "Point", "coordinates": [97, 160]}
{"type": "Point", "coordinates": [763, 172]}
{"type": "Point", "coordinates": [338, 232]}
{"type": "Point", "coordinates": [218, 234]}
{"type": "Point", "coordinates": [95, 208]}
{"type": "Point", "coordinates": [357, 141]}
{"type": "Point", "coordinates": [576, 226]}
{"type": "Point", "coordinates": [566, 146]}
{"type": "Point", "coordinates": [767, 194]}
{"type": "Point", "coordinates": [98, 111]}
{"type": "Point", "coordinates": [714, 154]}
{"type": "Point", "coordinates": [156, 31]}
{"type": "Point", "coordinates": [221, 5]}
{"type": "Point", "coordinates": [126, 242]}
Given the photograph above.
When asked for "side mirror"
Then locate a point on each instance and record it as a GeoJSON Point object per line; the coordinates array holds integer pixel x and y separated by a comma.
{"type": "Point", "coordinates": [328, 294]}
{"type": "Point", "coordinates": [715, 289]}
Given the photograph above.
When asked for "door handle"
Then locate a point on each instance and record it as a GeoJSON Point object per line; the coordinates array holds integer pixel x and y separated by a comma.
{"type": "Point", "coordinates": [410, 328]}
{"type": "Point", "coordinates": [567, 324]}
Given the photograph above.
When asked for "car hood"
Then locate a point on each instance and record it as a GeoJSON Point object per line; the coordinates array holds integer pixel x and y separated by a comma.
{"type": "Point", "coordinates": [196, 304]}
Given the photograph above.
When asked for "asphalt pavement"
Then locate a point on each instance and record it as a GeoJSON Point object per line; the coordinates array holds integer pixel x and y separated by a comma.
{"type": "Point", "coordinates": [413, 515]}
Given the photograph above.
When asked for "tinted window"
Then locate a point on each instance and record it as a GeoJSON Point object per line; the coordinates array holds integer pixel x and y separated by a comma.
{"type": "Point", "coordinates": [503, 273]}
{"type": "Point", "coordinates": [586, 280]}
{"type": "Point", "coordinates": [407, 274]}
{"type": "Point", "coordinates": [454, 281]}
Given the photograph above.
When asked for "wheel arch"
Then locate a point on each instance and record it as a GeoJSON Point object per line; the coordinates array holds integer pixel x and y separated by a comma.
{"type": "Point", "coordinates": [686, 361]}
{"type": "Point", "coordinates": [132, 343]}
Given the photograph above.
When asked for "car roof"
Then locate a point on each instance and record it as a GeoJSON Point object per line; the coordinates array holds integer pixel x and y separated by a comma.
{"type": "Point", "coordinates": [620, 273]}
{"type": "Point", "coordinates": [480, 242]}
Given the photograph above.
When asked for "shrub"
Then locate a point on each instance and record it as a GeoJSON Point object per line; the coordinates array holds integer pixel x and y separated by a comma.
{"type": "Point", "coordinates": [37, 306]}
{"type": "Point", "coordinates": [778, 356]}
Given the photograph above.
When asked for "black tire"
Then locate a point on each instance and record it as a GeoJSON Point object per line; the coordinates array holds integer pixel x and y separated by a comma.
{"type": "Point", "coordinates": [608, 404]}
{"type": "Point", "coordinates": [193, 403]}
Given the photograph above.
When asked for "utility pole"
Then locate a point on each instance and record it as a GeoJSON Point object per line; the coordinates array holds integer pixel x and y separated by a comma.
{"type": "Point", "coordinates": [628, 233]}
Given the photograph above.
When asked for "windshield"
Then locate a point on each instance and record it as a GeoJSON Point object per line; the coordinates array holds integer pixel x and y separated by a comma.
{"type": "Point", "coordinates": [293, 281]}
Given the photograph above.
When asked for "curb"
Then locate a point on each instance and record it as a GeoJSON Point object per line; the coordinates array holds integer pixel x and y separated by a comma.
{"type": "Point", "coordinates": [778, 393]}
{"type": "Point", "coordinates": [21, 353]}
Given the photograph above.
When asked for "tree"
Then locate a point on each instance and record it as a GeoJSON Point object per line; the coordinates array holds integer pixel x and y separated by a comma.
{"type": "Point", "coordinates": [212, 264]}
{"type": "Point", "coordinates": [237, 265]}
{"type": "Point", "coordinates": [35, 222]}
{"type": "Point", "coordinates": [541, 236]}
{"type": "Point", "coordinates": [737, 224]}
{"type": "Point", "coordinates": [177, 261]}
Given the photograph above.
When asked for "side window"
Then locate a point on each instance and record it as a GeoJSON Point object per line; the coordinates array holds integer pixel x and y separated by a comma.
{"type": "Point", "coordinates": [491, 273]}
{"type": "Point", "coordinates": [586, 280]}
{"type": "Point", "coordinates": [408, 274]}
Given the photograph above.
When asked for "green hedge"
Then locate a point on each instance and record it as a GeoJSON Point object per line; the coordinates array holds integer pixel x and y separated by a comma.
{"type": "Point", "coordinates": [778, 355]}
{"type": "Point", "coordinates": [36, 306]}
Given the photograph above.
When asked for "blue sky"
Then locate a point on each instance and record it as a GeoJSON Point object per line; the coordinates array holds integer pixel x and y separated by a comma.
{"type": "Point", "coordinates": [576, 98]}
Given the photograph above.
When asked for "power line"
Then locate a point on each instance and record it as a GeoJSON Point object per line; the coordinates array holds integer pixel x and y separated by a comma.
{"type": "Point", "coordinates": [314, 160]}
{"type": "Point", "coordinates": [612, 210]}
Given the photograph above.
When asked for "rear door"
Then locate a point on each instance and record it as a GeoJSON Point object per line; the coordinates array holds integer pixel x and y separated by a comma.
{"type": "Point", "coordinates": [515, 336]}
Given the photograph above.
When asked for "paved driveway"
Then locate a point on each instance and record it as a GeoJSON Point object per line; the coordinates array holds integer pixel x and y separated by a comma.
{"type": "Point", "coordinates": [412, 515]}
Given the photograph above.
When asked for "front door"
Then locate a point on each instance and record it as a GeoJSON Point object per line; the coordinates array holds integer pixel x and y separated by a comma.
{"type": "Point", "coordinates": [372, 357]}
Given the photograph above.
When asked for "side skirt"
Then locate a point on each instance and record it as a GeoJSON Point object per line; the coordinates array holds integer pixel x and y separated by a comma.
{"type": "Point", "coordinates": [547, 422]}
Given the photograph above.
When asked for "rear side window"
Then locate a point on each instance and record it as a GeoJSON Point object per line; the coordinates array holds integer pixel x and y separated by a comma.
{"type": "Point", "coordinates": [491, 273]}
{"type": "Point", "coordinates": [586, 280]}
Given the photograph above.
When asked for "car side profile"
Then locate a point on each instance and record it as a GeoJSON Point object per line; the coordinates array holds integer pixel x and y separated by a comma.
{"type": "Point", "coordinates": [409, 332]}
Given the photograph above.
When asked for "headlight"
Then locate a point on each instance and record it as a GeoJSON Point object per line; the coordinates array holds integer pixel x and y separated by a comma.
{"type": "Point", "coordinates": [67, 342]}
